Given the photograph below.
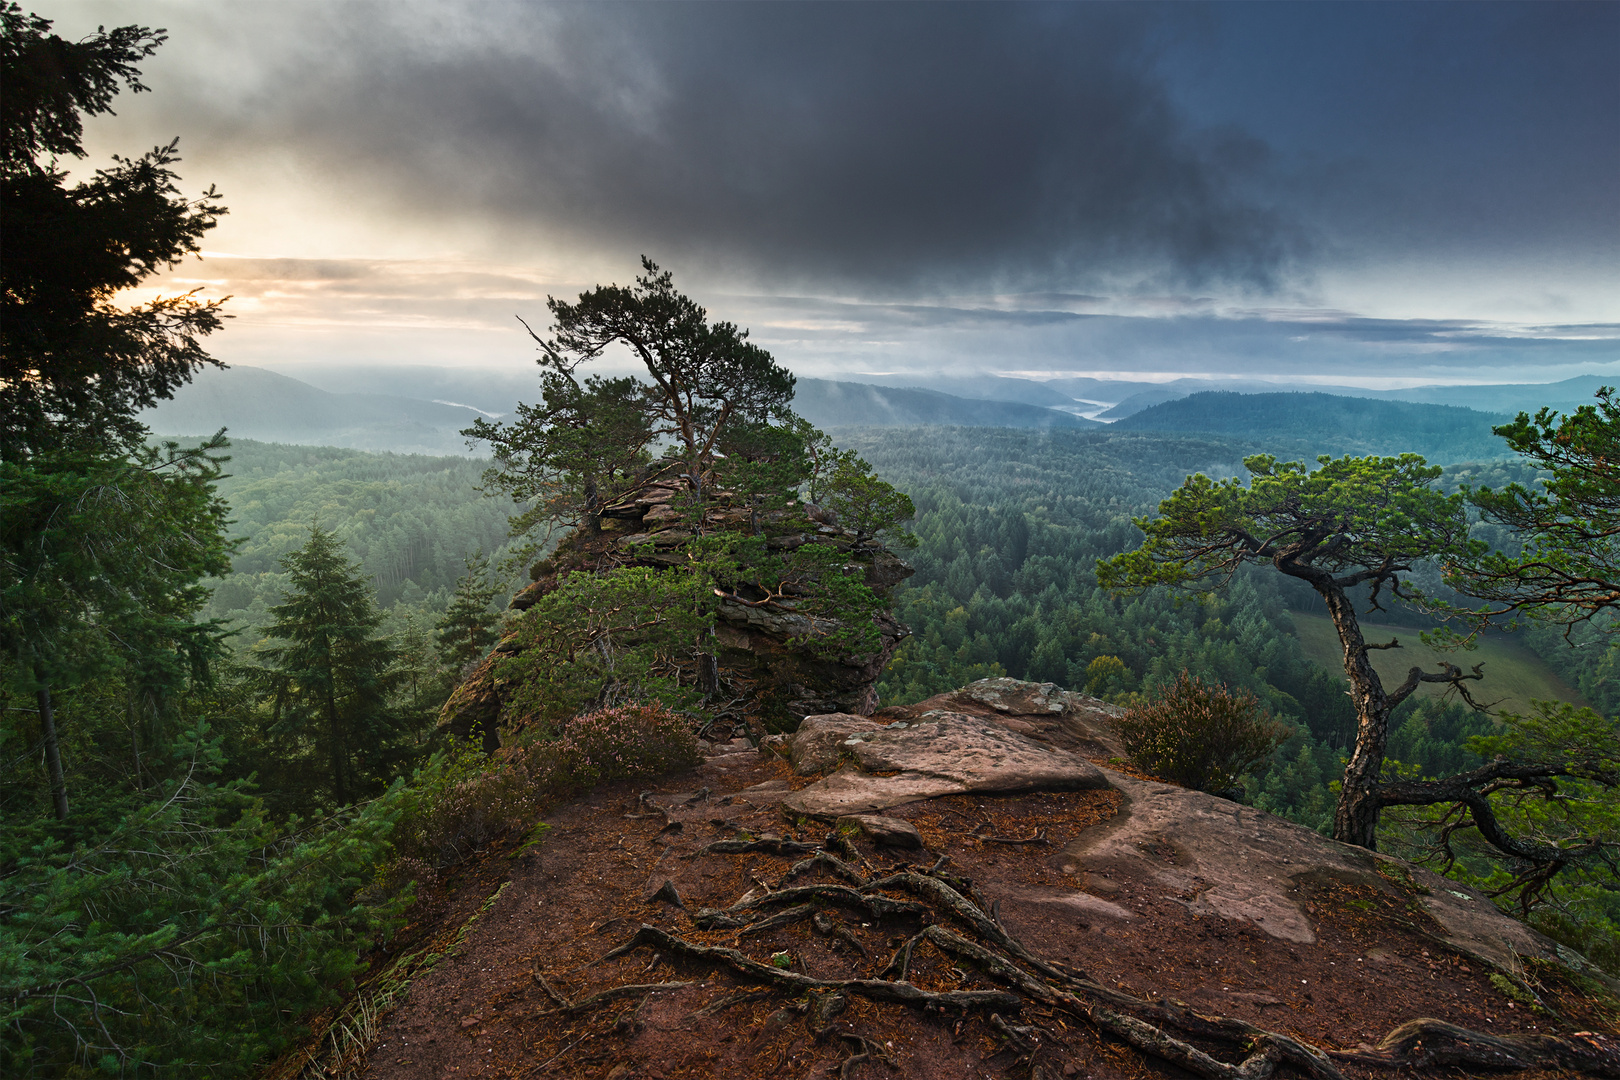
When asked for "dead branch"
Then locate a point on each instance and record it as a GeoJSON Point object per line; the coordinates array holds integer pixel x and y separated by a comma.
{"type": "Point", "coordinates": [551, 991]}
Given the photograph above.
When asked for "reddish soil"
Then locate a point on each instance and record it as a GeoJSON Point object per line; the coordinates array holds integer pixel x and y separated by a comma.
{"type": "Point", "coordinates": [485, 1012]}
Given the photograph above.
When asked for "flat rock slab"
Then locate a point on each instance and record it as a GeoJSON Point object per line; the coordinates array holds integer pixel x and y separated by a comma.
{"type": "Point", "coordinates": [1044, 711]}
{"type": "Point", "coordinates": [819, 743]}
{"type": "Point", "coordinates": [1217, 857]}
{"type": "Point", "coordinates": [940, 753]}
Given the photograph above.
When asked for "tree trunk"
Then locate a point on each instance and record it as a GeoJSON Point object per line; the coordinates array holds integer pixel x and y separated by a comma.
{"type": "Point", "coordinates": [593, 510]}
{"type": "Point", "coordinates": [334, 734]}
{"type": "Point", "coordinates": [1355, 819]}
{"type": "Point", "coordinates": [53, 751]}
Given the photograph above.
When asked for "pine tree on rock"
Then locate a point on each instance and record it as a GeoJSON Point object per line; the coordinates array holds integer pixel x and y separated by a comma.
{"type": "Point", "coordinates": [468, 627]}
{"type": "Point", "coordinates": [330, 679]}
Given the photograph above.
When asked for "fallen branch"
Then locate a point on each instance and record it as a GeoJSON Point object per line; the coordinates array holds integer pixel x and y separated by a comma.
{"type": "Point", "coordinates": [551, 991]}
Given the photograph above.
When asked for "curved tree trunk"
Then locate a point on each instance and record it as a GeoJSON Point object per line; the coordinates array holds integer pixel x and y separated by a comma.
{"type": "Point", "coordinates": [1355, 819]}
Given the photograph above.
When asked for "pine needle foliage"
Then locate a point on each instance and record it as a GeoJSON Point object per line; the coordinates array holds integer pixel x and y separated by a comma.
{"type": "Point", "coordinates": [469, 626]}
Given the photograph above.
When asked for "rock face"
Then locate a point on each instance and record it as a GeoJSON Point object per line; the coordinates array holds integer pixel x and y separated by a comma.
{"type": "Point", "coordinates": [939, 753]}
{"type": "Point", "coordinates": [752, 643]}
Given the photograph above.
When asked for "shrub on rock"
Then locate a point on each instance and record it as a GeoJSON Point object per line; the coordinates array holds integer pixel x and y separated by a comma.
{"type": "Point", "coordinates": [1199, 736]}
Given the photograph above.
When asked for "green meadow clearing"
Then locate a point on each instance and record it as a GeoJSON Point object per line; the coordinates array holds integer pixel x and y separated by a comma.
{"type": "Point", "coordinates": [1514, 675]}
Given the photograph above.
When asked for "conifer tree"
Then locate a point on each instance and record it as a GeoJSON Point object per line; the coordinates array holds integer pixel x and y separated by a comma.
{"type": "Point", "coordinates": [419, 669]}
{"type": "Point", "coordinates": [469, 627]}
{"type": "Point", "coordinates": [330, 678]}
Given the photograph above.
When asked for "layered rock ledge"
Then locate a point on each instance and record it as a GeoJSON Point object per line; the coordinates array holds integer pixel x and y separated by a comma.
{"type": "Point", "coordinates": [754, 644]}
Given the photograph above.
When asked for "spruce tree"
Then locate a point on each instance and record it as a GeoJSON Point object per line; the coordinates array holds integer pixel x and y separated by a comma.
{"type": "Point", "coordinates": [330, 679]}
{"type": "Point", "coordinates": [417, 664]}
{"type": "Point", "coordinates": [469, 627]}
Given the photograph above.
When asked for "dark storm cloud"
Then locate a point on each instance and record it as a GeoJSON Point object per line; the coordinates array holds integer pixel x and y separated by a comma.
{"type": "Point", "coordinates": [859, 146]}
{"type": "Point", "coordinates": [1465, 127]}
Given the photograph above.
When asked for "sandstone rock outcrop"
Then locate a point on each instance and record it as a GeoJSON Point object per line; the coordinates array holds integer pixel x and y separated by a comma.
{"type": "Point", "coordinates": [1194, 929]}
{"type": "Point", "coordinates": [1044, 712]}
{"type": "Point", "coordinates": [753, 644]}
{"type": "Point", "coordinates": [938, 753]}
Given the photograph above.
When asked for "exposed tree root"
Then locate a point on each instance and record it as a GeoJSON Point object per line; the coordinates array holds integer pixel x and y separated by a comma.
{"type": "Point", "coordinates": [1435, 1042]}
{"type": "Point", "coordinates": [780, 919]}
{"type": "Point", "coordinates": [1157, 1028]}
{"type": "Point", "coordinates": [746, 913]}
{"type": "Point", "coordinates": [771, 845]}
{"type": "Point", "coordinates": [864, 1050]}
{"type": "Point", "coordinates": [902, 993]}
{"type": "Point", "coordinates": [831, 862]}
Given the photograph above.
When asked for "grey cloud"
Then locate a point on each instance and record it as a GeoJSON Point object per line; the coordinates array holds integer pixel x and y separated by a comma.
{"type": "Point", "coordinates": [867, 146]}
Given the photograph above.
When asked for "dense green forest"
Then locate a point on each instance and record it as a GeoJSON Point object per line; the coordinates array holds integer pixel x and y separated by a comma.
{"type": "Point", "coordinates": [1010, 525]}
{"type": "Point", "coordinates": [409, 520]}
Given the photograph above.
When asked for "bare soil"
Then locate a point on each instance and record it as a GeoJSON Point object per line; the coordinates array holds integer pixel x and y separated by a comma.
{"type": "Point", "coordinates": [499, 1005]}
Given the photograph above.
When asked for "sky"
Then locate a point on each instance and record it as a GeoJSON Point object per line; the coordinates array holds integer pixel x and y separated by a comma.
{"type": "Point", "coordinates": [1371, 194]}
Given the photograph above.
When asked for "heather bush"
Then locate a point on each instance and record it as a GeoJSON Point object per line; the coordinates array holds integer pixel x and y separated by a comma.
{"type": "Point", "coordinates": [1199, 736]}
{"type": "Point", "coordinates": [624, 743]}
{"type": "Point", "coordinates": [456, 804]}
{"type": "Point", "coordinates": [463, 800]}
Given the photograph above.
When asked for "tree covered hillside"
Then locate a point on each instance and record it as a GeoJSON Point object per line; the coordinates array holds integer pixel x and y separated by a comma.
{"type": "Point", "coordinates": [1310, 424]}
{"type": "Point", "coordinates": [410, 521]}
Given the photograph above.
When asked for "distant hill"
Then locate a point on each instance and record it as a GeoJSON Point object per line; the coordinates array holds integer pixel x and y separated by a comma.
{"type": "Point", "coordinates": [254, 403]}
{"type": "Point", "coordinates": [843, 404]}
{"type": "Point", "coordinates": [258, 404]}
{"type": "Point", "coordinates": [1510, 398]}
{"type": "Point", "coordinates": [1507, 398]}
{"type": "Point", "coordinates": [977, 387]}
{"type": "Point", "coordinates": [1330, 424]}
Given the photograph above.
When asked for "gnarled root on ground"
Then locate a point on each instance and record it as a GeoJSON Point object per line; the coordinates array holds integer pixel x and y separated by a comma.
{"type": "Point", "coordinates": [1161, 1029]}
{"type": "Point", "coordinates": [1435, 1042]}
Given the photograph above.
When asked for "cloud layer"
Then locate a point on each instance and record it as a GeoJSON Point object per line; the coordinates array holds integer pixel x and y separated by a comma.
{"type": "Point", "coordinates": [1076, 187]}
{"type": "Point", "coordinates": [853, 146]}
